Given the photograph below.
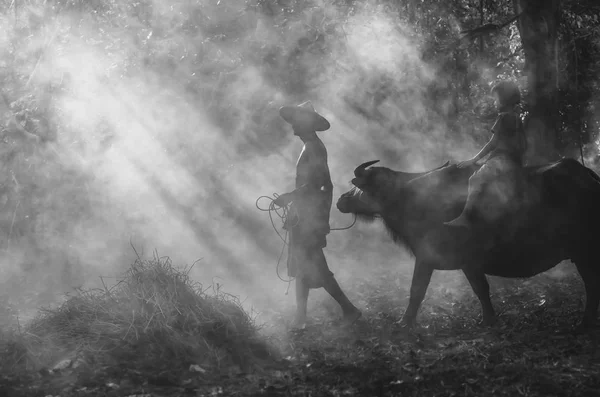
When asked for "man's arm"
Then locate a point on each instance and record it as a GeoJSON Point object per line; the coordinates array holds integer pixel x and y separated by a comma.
{"type": "Point", "coordinates": [319, 181]}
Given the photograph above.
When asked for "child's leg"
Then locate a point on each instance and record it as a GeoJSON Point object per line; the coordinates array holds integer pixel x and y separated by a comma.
{"type": "Point", "coordinates": [476, 184]}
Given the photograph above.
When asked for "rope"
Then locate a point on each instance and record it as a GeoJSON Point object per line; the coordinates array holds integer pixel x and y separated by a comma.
{"type": "Point", "coordinates": [282, 213]}
{"type": "Point", "coordinates": [347, 227]}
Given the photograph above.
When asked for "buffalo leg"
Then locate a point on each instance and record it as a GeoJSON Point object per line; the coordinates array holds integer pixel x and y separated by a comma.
{"type": "Point", "coordinates": [591, 280]}
{"type": "Point", "coordinates": [420, 282]}
{"type": "Point", "coordinates": [481, 287]}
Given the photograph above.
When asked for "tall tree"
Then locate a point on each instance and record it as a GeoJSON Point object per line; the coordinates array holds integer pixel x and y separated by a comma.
{"type": "Point", "coordinates": [538, 26]}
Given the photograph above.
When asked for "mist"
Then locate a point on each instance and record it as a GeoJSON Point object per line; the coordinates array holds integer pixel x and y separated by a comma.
{"type": "Point", "coordinates": [168, 131]}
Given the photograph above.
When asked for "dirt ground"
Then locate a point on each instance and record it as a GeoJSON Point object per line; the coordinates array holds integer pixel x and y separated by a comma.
{"type": "Point", "coordinates": [535, 349]}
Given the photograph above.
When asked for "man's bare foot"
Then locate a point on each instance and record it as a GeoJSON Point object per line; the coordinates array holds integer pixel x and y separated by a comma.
{"type": "Point", "coordinates": [299, 322]}
{"type": "Point", "coordinates": [351, 316]}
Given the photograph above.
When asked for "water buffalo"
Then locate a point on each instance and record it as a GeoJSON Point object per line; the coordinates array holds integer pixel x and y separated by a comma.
{"type": "Point", "coordinates": [559, 219]}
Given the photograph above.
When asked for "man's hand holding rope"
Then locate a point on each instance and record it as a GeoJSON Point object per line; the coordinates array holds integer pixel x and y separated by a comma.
{"type": "Point", "coordinates": [283, 200]}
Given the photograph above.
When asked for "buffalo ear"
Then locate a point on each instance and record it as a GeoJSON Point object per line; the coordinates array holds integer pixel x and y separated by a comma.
{"type": "Point", "coordinates": [358, 182]}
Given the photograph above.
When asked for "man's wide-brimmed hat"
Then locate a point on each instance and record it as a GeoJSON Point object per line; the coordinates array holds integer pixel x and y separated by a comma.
{"type": "Point", "coordinates": [304, 115]}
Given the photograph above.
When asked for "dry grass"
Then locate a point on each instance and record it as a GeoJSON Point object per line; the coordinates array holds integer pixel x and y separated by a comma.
{"type": "Point", "coordinates": [155, 320]}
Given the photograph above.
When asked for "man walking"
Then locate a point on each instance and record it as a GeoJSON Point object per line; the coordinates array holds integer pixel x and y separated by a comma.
{"type": "Point", "coordinates": [308, 215]}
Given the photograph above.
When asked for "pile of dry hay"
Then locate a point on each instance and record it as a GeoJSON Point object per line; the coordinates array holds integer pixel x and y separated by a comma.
{"type": "Point", "coordinates": [155, 318]}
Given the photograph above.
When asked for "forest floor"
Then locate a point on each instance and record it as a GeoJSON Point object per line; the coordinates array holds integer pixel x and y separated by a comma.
{"type": "Point", "coordinates": [535, 349]}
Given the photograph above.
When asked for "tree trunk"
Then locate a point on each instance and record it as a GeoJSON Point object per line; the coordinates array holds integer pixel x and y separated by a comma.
{"type": "Point", "coordinates": [538, 26]}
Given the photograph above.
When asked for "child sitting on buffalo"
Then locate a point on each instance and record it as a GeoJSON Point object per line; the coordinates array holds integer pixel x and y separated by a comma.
{"type": "Point", "coordinates": [506, 149]}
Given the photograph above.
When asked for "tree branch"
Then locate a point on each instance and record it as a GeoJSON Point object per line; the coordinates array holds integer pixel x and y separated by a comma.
{"type": "Point", "coordinates": [488, 28]}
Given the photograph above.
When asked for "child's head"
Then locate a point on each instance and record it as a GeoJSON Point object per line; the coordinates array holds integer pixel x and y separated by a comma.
{"type": "Point", "coordinates": [506, 93]}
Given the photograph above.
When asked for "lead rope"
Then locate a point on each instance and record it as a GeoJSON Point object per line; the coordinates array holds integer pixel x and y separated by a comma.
{"type": "Point", "coordinates": [347, 227]}
{"type": "Point", "coordinates": [282, 213]}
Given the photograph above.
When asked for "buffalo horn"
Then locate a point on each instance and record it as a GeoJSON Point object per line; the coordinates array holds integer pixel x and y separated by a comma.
{"type": "Point", "coordinates": [361, 168]}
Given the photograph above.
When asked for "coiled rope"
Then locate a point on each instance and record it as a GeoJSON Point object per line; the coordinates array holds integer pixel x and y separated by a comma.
{"type": "Point", "coordinates": [282, 214]}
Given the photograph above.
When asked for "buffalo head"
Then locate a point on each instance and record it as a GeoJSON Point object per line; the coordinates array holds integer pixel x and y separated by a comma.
{"type": "Point", "coordinates": [369, 178]}
{"type": "Point", "coordinates": [355, 201]}
{"type": "Point", "coordinates": [371, 186]}
{"type": "Point", "coordinates": [374, 188]}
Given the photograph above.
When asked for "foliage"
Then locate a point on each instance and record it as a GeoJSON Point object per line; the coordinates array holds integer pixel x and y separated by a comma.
{"type": "Point", "coordinates": [580, 38]}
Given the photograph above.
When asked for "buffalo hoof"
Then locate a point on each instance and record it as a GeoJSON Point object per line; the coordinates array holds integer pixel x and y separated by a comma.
{"type": "Point", "coordinates": [407, 323]}
{"type": "Point", "coordinates": [351, 317]}
{"type": "Point", "coordinates": [587, 324]}
{"type": "Point", "coordinates": [489, 321]}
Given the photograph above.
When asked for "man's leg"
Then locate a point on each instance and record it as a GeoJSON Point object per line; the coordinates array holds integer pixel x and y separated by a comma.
{"type": "Point", "coordinates": [351, 313]}
{"type": "Point", "coordinates": [301, 300]}
{"type": "Point", "coordinates": [297, 259]}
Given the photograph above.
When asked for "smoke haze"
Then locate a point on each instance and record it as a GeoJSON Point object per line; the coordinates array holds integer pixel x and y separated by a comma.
{"type": "Point", "coordinates": [168, 131]}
